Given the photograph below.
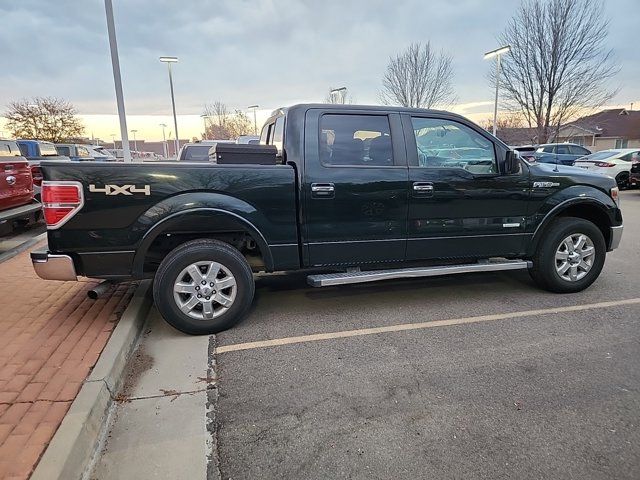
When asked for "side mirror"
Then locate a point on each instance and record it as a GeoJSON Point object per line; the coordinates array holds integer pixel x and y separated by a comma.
{"type": "Point", "coordinates": [511, 162]}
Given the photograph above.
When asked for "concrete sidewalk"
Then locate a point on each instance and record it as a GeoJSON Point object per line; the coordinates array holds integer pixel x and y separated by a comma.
{"type": "Point", "coordinates": [51, 335]}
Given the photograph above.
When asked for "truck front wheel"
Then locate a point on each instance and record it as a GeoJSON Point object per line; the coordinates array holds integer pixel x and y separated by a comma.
{"type": "Point", "coordinates": [203, 287]}
{"type": "Point", "coordinates": [570, 256]}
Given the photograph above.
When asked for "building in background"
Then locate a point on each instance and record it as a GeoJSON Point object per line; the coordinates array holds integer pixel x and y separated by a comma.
{"type": "Point", "coordinates": [614, 128]}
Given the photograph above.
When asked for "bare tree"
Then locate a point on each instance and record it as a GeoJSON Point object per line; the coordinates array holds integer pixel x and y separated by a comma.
{"type": "Point", "coordinates": [222, 124]}
{"type": "Point", "coordinates": [505, 121]}
{"type": "Point", "coordinates": [43, 118]}
{"type": "Point", "coordinates": [342, 97]}
{"type": "Point", "coordinates": [418, 77]}
{"type": "Point", "coordinates": [559, 65]}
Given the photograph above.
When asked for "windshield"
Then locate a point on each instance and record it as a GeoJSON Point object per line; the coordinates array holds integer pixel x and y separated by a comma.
{"type": "Point", "coordinates": [48, 149]}
{"type": "Point", "coordinates": [196, 153]}
{"type": "Point", "coordinates": [600, 155]}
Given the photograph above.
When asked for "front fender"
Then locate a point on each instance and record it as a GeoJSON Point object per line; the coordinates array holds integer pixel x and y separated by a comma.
{"type": "Point", "coordinates": [601, 204]}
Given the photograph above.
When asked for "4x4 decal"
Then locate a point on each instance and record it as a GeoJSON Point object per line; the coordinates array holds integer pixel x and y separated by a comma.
{"type": "Point", "coordinates": [120, 189]}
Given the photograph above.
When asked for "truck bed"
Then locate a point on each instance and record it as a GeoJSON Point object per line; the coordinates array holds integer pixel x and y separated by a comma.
{"type": "Point", "coordinates": [123, 201]}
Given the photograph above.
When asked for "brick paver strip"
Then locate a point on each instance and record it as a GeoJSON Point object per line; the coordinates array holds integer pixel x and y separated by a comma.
{"type": "Point", "coordinates": [51, 336]}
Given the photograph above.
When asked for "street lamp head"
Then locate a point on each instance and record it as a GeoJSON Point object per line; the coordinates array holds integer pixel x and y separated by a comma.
{"type": "Point", "coordinates": [169, 59]}
{"type": "Point", "coordinates": [163, 125]}
{"type": "Point", "coordinates": [252, 106]}
{"type": "Point", "coordinates": [336, 90]}
{"type": "Point", "coordinates": [497, 51]}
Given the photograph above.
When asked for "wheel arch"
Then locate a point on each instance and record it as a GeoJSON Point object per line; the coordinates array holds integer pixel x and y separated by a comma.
{"type": "Point", "coordinates": [226, 223]}
{"type": "Point", "coordinates": [588, 209]}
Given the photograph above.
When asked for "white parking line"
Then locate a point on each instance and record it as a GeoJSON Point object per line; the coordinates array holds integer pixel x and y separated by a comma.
{"type": "Point", "coordinates": [276, 342]}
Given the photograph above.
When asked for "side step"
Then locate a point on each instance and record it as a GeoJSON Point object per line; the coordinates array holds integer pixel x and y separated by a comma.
{"type": "Point", "coordinates": [328, 279]}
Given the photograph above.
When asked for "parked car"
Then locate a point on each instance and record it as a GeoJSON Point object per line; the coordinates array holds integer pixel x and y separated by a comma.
{"type": "Point", "coordinates": [100, 153]}
{"type": "Point", "coordinates": [616, 163]}
{"type": "Point", "coordinates": [198, 151]}
{"type": "Point", "coordinates": [634, 173]}
{"type": "Point", "coordinates": [16, 188]}
{"type": "Point", "coordinates": [526, 151]}
{"type": "Point", "coordinates": [77, 153]}
{"type": "Point", "coordinates": [35, 151]}
{"type": "Point", "coordinates": [560, 153]}
{"type": "Point", "coordinates": [352, 191]}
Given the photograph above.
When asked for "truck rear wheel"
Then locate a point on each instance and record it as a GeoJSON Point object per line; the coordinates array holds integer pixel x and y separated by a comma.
{"type": "Point", "coordinates": [570, 256]}
{"type": "Point", "coordinates": [203, 287]}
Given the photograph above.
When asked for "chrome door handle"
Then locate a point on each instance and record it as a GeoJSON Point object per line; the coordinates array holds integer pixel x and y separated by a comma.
{"type": "Point", "coordinates": [322, 187]}
{"type": "Point", "coordinates": [423, 187]}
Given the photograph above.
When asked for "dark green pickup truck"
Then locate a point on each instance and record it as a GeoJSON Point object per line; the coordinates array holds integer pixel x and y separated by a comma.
{"type": "Point", "coordinates": [355, 193]}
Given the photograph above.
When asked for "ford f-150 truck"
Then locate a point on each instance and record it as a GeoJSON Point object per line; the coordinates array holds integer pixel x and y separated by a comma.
{"type": "Point", "coordinates": [354, 193]}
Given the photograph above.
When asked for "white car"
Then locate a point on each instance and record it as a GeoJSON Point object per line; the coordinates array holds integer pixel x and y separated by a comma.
{"type": "Point", "coordinates": [613, 163]}
{"type": "Point", "coordinates": [100, 154]}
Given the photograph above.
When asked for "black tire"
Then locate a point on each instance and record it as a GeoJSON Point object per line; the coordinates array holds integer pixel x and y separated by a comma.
{"type": "Point", "coordinates": [203, 250]}
{"type": "Point", "coordinates": [622, 180]}
{"type": "Point", "coordinates": [544, 271]}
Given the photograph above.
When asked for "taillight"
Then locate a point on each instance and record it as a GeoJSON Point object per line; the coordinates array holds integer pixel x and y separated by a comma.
{"type": "Point", "coordinates": [605, 164]}
{"type": "Point", "coordinates": [61, 200]}
{"type": "Point", "coordinates": [36, 173]}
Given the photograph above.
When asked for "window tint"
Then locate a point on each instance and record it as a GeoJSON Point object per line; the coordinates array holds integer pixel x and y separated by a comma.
{"type": "Point", "coordinates": [629, 156]}
{"type": "Point", "coordinates": [278, 133]}
{"type": "Point", "coordinates": [578, 150]}
{"type": "Point", "coordinates": [601, 155]}
{"type": "Point", "coordinates": [24, 150]}
{"type": "Point", "coordinates": [4, 150]}
{"type": "Point", "coordinates": [63, 151]}
{"type": "Point", "coordinates": [446, 144]}
{"type": "Point", "coordinates": [549, 149]}
{"type": "Point", "coordinates": [562, 149]}
{"type": "Point", "coordinates": [359, 140]}
{"type": "Point", "coordinates": [83, 152]}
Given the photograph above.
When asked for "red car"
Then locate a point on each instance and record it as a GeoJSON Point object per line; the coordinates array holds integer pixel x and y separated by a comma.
{"type": "Point", "coordinates": [16, 188]}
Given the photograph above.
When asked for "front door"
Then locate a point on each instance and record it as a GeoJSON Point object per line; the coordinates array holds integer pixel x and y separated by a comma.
{"type": "Point", "coordinates": [461, 206]}
{"type": "Point", "coordinates": [354, 188]}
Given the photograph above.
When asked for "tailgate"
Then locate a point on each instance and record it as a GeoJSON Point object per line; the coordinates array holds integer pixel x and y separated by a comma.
{"type": "Point", "coordinates": [16, 184]}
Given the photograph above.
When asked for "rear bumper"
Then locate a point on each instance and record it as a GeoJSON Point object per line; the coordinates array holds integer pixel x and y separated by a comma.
{"type": "Point", "coordinates": [616, 236]}
{"type": "Point", "coordinates": [53, 266]}
{"type": "Point", "coordinates": [634, 179]}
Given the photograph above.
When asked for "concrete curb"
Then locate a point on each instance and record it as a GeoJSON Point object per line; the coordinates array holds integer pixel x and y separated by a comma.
{"type": "Point", "coordinates": [22, 247]}
{"type": "Point", "coordinates": [74, 444]}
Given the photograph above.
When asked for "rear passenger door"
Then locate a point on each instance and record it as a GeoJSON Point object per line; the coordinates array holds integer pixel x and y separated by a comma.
{"type": "Point", "coordinates": [354, 188]}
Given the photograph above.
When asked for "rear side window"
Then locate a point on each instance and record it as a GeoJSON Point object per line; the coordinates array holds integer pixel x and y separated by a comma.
{"type": "Point", "coordinates": [549, 149]}
{"type": "Point", "coordinates": [48, 149]}
{"type": "Point", "coordinates": [576, 150]}
{"type": "Point", "coordinates": [562, 149]}
{"type": "Point", "coordinates": [197, 153]}
{"type": "Point", "coordinates": [278, 133]}
{"type": "Point", "coordinates": [356, 140]}
{"type": "Point", "coordinates": [63, 151]}
{"type": "Point", "coordinates": [9, 149]}
{"type": "Point", "coordinates": [264, 135]}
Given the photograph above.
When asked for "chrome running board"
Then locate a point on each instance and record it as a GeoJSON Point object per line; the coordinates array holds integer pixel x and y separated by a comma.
{"type": "Point", "coordinates": [328, 279]}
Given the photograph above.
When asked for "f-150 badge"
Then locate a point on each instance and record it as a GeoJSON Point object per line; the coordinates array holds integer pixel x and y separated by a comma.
{"type": "Point", "coordinates": [120, 189]}
{"type": "Point", "coordinates": [545, 184]}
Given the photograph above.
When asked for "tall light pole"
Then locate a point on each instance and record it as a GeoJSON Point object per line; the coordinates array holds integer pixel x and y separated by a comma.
{"type": "Point", "coordinates": [204, 117]}
{"type": "Point", "coordinates": [255, 121]}
{"type": "Point", "coordinates": [113, 139]}
{"type": "Point", "coordinates": [341, 92]}
{"type": "Point", "coordinates": [115, 64]}
{"type": "Point", "coordinates": [164, 141]}
{"type": "Point", "coordinates": [497, 53]}
{"type": "Point", "coordinates": [135, 143]}
{"type": "Point", "coordinates": [169, 61]}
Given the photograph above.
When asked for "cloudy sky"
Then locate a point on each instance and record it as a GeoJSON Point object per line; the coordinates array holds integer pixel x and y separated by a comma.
{"type": "Point", "coordinates": [266, 52]}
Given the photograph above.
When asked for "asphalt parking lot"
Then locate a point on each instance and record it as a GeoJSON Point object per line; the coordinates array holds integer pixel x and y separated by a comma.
{"type": "Point", "coordinates": [552, 391]}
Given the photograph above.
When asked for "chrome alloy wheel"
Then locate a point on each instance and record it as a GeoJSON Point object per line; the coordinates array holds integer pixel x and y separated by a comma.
{"type": "Point", "coordinates": [574, 257]}
{"type": "Point", "coordinates": [205, 290]}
